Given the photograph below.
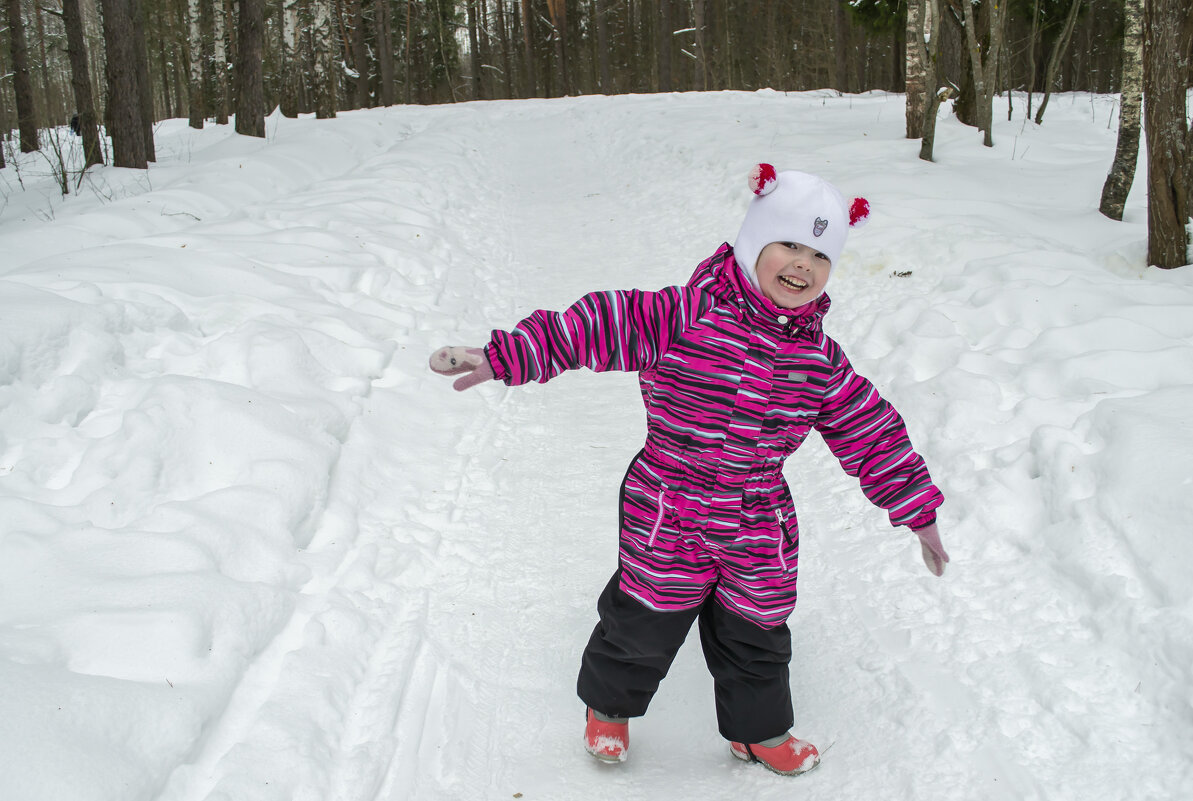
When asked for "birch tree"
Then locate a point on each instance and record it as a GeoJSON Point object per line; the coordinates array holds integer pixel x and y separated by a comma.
{"type": "Point", "coordinates": [324, 72]}
{"type": "Point", "coordinates": [1031, 52]}
{"type": "Point", "coordinates": [915, 70]}
{"type": "Point", "coordinates": [1126, 154]}
{"type": "Point", "coordinates": [219, 62]}
{"type": "Point", "coordinates": [195, 41]}
{"type": "Point", "coordinates": [291, 61]}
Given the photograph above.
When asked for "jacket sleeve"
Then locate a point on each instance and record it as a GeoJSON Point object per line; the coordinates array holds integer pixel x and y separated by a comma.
{"type": "Point", "coordinates": [870, 439]}
{"type": "Point", "coordinates": [617, 330]}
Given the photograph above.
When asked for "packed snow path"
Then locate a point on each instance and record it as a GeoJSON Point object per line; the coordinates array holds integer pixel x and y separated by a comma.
{"type": "Point", "coordinates": [253, 549]}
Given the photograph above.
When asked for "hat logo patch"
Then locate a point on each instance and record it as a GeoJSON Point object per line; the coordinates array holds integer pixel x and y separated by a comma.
{"type": "Point", "coordinates": [819, 227]}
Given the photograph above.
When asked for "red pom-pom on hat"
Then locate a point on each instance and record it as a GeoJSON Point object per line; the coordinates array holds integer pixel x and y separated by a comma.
{"type": "Point", "coordinates": [763, 179]}
{"type": "Point", "coordinates": [859, 212]}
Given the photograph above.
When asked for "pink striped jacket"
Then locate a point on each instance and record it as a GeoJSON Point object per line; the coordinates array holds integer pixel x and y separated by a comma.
{"type": "Point", "coordinates": [732, 386]}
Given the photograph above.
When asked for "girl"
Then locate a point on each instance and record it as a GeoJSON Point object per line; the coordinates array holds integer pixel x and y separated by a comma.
{"type": "Point", "coordinates": [735, 372]}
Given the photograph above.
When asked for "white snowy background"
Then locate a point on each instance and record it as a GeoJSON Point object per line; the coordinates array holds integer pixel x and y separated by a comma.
{"type": "Point", "coordinates": [251, 548]}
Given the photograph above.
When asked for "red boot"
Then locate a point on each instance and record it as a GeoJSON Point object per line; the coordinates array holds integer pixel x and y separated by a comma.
{"type": "Point", "coordinates": [790, 757]}
{"type": "Point", "coordinates": [608, 742]}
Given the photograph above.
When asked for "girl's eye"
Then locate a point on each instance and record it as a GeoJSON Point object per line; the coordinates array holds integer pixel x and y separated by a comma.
{"type": "Point", "coordinates": [822, 256]}
{"type": "Point", "coordinates": [791, 245]}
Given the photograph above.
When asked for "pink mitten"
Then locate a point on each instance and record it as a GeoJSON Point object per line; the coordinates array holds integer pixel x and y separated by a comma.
{"type": "Point", "coordinates": [934, 556]}
{"type": "Point", "coordinates": [457, 360]}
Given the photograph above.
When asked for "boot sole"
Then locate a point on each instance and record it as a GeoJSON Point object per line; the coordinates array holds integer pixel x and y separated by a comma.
{"type": "Point", "coordinates": [754, 760]}
{"type": "Point", "coordinates": [607, 759]}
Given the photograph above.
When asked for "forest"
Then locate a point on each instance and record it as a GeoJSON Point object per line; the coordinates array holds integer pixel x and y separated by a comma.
{"type": "Point", "coordinates": [119, 66]}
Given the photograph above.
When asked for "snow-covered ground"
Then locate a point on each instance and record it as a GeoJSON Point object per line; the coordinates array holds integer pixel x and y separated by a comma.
{"type": "Point", "coordinates": [250, 548]}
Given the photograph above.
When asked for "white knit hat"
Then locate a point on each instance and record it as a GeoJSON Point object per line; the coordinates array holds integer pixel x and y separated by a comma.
{"type": "Point", "coordinates": [793, 206]}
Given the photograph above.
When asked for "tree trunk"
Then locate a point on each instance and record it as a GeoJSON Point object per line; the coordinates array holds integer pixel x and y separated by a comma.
{"type": "Point", "coordinates": [926, 40]}
{"type": "Point", "coordinates": [46, 113]}
{"type": "Point", "coordinates": [558, 12]}
{"type": "Point", "coordinates": [1126, 154]}
{"type": "Point", "coordinates": [604, 79]}
{"type": "Point", "coordinates": [409, 61]}
{"type": "Point", "coordinates": [1054, 59]}
{"type": "Point", "coordinates": [1032, 44]}
{"type": "Point", "coordinates": [177, 59]}
{"type": "Point", "coordinates": [359, 54]}
{"type": "Point", "coordinates": [841, 46]}
{"type": "Point", "coordinates": [163, 63]}
{"type": "Point", "coordinates": [898, 59]}
{"type": "Point", "coordinates": [663, 45]}
{"type": "Point", "coordinates": [506, 61]}
{"type": "Point", "coordinates": [474, 48]}
{"type": "Point", "coordinates": [984, 66]}
{"type": "Point", "coordinates": [291, 61]}
{"type": "Point", "coordinates": [250, 85]}
{"type": "Point", "coordinates": [700, 24]}
{"type": "Point", "coordinates": [22, 85]}
{"type": "Point", "coordinates": [916, 77]}
{"type": "Point", "coordinates": [144, 84]}
{"type": "Point", "coordinates": [528, 48]}
{"type": "Point", "coordinates": [219, 27]}
{"type": "Point", "coordinates": [195, 39]}
{"type": "Point", "coordinates": [324, 70]}
{"type": "Point", "coordinates": [1165, 72]}
{"type": "Point", "coordinates": [385, 50]}
{"type": "Point", "coordinates": [80, 81]}
{"type": "Point", "coordinates": [124, 104]}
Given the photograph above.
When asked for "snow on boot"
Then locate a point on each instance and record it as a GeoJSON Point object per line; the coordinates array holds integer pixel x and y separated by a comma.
{"type": "Point", "coordinates": [790, 757]}
{"type": "Point", "coordinates": [608, 742]}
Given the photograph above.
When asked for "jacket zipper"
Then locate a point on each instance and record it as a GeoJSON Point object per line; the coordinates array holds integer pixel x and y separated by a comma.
{"type": "Point", "coordinates": [658, 521]}
{"type": "Point", "coordinates": [784, 535]}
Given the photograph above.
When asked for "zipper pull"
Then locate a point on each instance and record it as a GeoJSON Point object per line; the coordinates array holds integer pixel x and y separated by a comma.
{"type": "Point", "coordinates": [783, 525]}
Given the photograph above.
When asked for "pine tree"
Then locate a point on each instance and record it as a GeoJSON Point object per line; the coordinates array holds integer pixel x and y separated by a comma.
{"type": "Point", "coordinates": [22, 85]}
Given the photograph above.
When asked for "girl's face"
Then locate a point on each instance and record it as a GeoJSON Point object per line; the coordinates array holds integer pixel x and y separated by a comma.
{"type": "Point", "coordinates": [791, 274]}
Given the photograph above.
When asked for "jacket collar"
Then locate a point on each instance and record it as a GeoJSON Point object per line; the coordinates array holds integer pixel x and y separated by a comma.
{"type": "Point", "coordinates": [721, 275]}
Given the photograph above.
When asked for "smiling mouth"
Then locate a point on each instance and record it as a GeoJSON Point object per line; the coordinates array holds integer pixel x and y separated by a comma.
{"type": "Point", "coordinates": [796, 284]}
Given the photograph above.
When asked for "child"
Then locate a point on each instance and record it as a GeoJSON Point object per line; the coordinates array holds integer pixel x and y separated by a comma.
{"type": "Point", "coordinates": [735, 372]}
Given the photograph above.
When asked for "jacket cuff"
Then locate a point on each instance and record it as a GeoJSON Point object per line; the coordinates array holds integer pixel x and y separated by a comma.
{"type": "Point", "coordinates": [923, 520]}
{"type": "Point", "coordinates": [500, 371]}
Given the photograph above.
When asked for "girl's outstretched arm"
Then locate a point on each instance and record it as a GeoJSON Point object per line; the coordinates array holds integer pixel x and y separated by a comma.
{"type": "Point", "coordinates": [868, 436]}
{"type": "Point", "coordinates": [618, 330]}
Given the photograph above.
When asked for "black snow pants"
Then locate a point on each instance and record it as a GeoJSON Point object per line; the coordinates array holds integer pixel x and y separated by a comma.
{"type": "Point", "coordinates": [632, 647]}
